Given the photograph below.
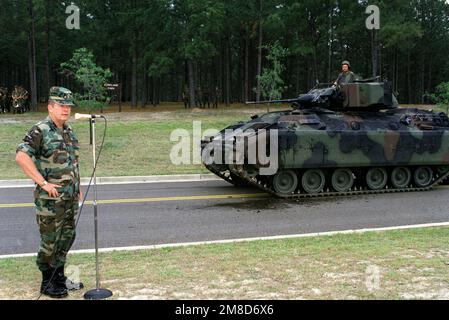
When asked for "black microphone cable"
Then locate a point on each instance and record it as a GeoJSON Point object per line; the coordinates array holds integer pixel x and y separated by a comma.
{"type": "Point", "coordinates": [82, 204]}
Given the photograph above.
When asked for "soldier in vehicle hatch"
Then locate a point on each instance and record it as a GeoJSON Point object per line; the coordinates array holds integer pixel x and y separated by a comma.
{"type": "Point", "coordinates": [346, 76]}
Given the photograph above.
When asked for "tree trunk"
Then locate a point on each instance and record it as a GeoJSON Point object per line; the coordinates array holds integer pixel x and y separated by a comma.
{"type": "Point", "coordinates": [227, 72]}
{"type": "Point", "coordinates": [409, 80]}
{"type": "Point", "coordinates": [158, 90]}
{"type": "Point", "coordinates": [374, 52]}
{"type": "Point", "coordinates": [380, 62]}
{"type": "Point", "coordinates": [144, 89]}
{"type": "Point", "coordinates": [221, 70]}
{"type": "Point", "coordinates": [331, 35]}
{"type": "Point", "coordinates": [395, 69]}
{"type": "Point", "coordinates": [47, 46]}
{"type": "Point", "coordinates": [259, 53]}
{"type": "Point", "coordinates": [153, 91]}
{"type": "Point", "coordinates": [191, 83]}
{"type": "Point", "coordinates": [309, 74]}
{"type": "Point", "coordinates": [298, 75]}
{"type": "Point", "coordinates": [32, 58]}
{"type": "Point", "coordinates": [134, 79]}
{"type": "Point", "coordinates": [422, 79]}
{"type": "Point", "coordinates": [246, 89]}
{"type": "Point", "coordinates": [315, 65]}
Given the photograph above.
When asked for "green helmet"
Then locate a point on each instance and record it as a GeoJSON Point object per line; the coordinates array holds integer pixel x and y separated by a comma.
{"type": "Point", "coordinates": [61, 96]}
{"type": "Point", "coordinates": [347, 63]}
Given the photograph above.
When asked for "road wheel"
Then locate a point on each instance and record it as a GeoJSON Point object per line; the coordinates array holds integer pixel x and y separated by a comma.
{"type": "Point", "coordinates": [285, 182]}
{"type": "Point", "coordinates": [423, 176]}
{"type": "Point", "coordinates": [376, 178]}
{"type": "Point", "coordinates": [400, 177]}
{"type": "Point", "coordinates": [313, 181]}
{"type": "Point", "coordinates": [342, 180]}
{"type": "Point", "coordinates": [442, 170]}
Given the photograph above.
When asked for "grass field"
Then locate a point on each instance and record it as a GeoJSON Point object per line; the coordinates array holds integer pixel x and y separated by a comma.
{"type": "Point", "coordinates": [405, 264]}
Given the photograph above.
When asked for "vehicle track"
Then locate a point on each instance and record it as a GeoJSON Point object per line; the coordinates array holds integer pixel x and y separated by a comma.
{"type": "Point", "coordinates": [226, 175]}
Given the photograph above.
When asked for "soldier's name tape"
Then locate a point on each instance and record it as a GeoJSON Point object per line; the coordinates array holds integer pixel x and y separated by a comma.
{"type": "Point", "coordinates": [279, 237]}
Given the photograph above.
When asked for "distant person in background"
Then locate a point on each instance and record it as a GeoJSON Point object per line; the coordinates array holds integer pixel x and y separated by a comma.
{"type": "Point", "coordinates": [198, 97]}
{"type": "Point", "coordinates": [4, 100]}
{"type": "Point", "coordinates": [185, 98]}
{"type": "Point", "coordinates": [427, 99]}
{"type": "Point", "coordinates": [216, 96]}
{"type": "Point", "coordinates": [206, 97]}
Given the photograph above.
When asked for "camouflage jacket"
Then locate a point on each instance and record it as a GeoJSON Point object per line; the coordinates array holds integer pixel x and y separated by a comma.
{"type": "Point", "coordinates": [348, 77]}
{"type": "Point", "coordinates": [19, 93]}
{"type": "Point", "coordinates": [55, 153]}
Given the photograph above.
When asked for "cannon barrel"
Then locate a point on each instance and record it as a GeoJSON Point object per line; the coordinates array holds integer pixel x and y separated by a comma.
{"type": "Point", "coordinates": [274, 101]}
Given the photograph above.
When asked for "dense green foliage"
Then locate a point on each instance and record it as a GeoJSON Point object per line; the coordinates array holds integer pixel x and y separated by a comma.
{"type": "Point", "coordinates": [93, 78]}
{"type": "Point", "coordinates": [156, 48]}
{"type": "Point", "coordinates": [88, 74]}
{"type": "Point", "coordinates": [271, 83]}
{"type": "Point", "coordinates": [442, 95]}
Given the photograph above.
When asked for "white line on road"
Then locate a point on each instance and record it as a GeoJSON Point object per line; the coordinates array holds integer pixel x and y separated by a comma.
{"type": "Point", "coordinates": [27, 183]}
{"type": "Point", "coordinates": [280, 237]}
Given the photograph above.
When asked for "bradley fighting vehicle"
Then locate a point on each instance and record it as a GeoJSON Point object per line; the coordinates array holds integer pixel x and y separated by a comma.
{"type": "Point", "coordinates": [337, 140]}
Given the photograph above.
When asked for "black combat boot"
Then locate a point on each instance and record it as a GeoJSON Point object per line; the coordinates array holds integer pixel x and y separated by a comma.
{"type": "Point", "coordinates": [49, 287]}
{"type": "Point", "coordinates": [63, 281]}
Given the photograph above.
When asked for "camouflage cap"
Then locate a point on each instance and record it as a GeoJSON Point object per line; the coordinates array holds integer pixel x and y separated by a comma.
{"type": "Point", "coordinates": [61, 96]}
{"type": "Point", "coordinates": [347, 63]}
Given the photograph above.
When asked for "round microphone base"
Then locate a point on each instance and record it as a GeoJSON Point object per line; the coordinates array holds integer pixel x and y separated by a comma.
{"type": "Point", "coordinates": [97, 294]}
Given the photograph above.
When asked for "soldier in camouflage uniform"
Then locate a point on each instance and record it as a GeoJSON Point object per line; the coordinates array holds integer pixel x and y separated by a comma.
{"type": "Point", "coordinates": [49, 155]}
{"type": "Point", "coordinates": [185, 98]}
{"type": "Point", "coordinates": [206, 97]}
{"type": "Point", "coordinates": [199, 97]}
{"type": "Point", "coordinates": [346, 76]}
{"type": "Point", "coordinates": [216, 97]}
{"type": "Point", "coordinates": [19, 99]}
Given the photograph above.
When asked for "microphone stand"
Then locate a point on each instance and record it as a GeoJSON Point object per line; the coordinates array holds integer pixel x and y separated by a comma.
{"type": "Point", "coordinates": [97, 293]}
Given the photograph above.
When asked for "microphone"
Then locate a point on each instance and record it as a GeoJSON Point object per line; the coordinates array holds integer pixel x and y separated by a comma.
{"type": "Point", "coordinates": [81, 116]}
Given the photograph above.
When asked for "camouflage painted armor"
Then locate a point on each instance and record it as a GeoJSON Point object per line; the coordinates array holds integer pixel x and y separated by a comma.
{"type": "Point", "coordinates": [55, 152]}
{"type": "Point", "coordinates": [346, 140]}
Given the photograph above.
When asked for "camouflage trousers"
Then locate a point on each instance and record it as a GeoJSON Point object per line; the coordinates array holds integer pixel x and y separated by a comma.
{"type": "Point", "coordinates": [56, 220]}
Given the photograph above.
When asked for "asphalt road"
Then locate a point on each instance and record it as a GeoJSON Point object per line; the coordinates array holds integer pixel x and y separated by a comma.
{"type": "Point", "coordinates": [161, 213]}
